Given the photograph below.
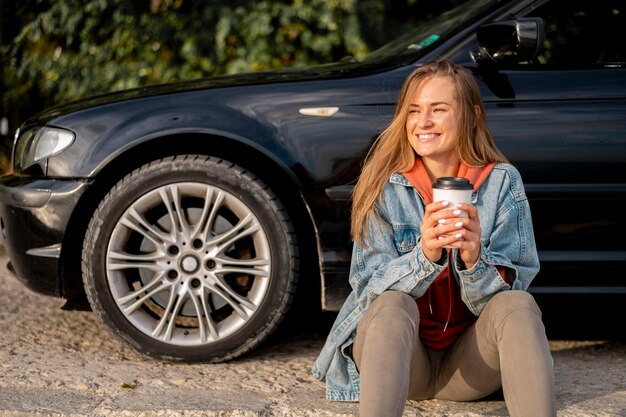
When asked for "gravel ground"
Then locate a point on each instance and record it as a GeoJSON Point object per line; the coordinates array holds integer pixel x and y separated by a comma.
{"type": "Point", "coordinates": [64, 363]}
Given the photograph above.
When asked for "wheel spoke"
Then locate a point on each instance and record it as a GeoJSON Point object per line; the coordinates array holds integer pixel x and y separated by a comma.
{"type": "Point", "coordinates": [204, 317]}
{"type": "Point", "coordinates": [236, 301]}
{"type": "Point", "coordinates": [251, 271]}
{"type": "Point", "coordinates": [171, 199]}
{"type": "Point", "coordinates": [166, 314]}
{"type": "Point", "coordinates": [242, 266]}
{"type": "Point", "coordinates": [198, 307]}
{"type": "Point", "coordinates": [244, 228]}
{"type": "Point", "coordinates": [215, 207]}
{"type": "Point", "coordinates": [122, 260]}
{"type": "Point", "coordinates": [172, 321]}
{"type": "Point", "coordinates": [135, 221]}
{"type": "Point", "coordinates": [139, 297]}
{"type": "Point", "coordinates": [201, 225]}
{"type": "Point", "coordinates": [227, 260]}
{"type": "Point", "coordinates": [207, 315]}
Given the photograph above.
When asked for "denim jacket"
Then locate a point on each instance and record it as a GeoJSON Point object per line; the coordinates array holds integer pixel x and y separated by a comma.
{"type": "Point", "coordinates": [393, 261]}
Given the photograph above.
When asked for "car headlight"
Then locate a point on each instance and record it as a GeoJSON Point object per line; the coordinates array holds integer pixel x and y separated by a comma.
{"type": "Point", "coordinates": [37, 144]}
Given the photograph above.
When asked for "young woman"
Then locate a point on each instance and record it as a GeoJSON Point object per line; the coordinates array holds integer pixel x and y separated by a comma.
{"type": "Point", "coordinates": [424, 321]}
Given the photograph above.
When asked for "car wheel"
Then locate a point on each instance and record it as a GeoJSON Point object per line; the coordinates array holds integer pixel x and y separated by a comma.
{"type": "Point", "coordinates": [190, 258]}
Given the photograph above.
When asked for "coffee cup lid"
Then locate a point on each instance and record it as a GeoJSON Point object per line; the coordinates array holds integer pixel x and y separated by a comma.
{"type": "Point", "coordinates": [452, 183]}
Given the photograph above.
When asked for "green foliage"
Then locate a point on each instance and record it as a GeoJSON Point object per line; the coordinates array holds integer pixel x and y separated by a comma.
{"type": "Point", "coordinates": [76, 48]}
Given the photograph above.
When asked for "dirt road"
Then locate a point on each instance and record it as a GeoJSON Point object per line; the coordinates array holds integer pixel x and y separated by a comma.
{"type": "Point", "coordinates": [63, 363]}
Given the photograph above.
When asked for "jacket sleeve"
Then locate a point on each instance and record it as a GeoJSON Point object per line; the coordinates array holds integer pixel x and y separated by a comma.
{"type": "Point", "coordinates": [381, 266]}
{"type": "Point", "coordinates": [511, 245]}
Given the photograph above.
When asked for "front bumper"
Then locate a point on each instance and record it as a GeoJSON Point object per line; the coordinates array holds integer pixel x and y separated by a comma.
{"type": "Point", "coordinates": [34, 215]}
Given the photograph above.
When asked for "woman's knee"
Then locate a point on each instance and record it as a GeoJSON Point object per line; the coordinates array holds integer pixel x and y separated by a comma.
{"type": "Point", "coordinates": [394, 307]}
{"type": "Point", "coordinates": [518, 308]}
{"type": "Point", "coordinates": [396, 300]}
{"type": "Point", "coordinates": [506, 302]}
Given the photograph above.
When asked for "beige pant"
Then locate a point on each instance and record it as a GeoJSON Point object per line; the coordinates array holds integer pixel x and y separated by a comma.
{"type": "Point", "coordinates": [506, 347]}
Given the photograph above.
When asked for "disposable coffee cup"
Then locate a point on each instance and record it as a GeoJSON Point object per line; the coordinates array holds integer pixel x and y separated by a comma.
{"type": "Point", "coordinates": [455, 190]}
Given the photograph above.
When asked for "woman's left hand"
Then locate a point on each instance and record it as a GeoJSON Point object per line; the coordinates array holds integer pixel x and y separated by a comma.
{"type": "Point", "coordinates": [469, 242]}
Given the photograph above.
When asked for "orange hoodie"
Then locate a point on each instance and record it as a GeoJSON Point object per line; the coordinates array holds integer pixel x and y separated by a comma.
{"type": "Point", "coordinates": [443, 314]}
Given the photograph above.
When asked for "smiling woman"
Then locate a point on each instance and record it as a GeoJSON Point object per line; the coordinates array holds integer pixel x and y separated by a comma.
{"type": "Point", "coordinates": [432, 314]}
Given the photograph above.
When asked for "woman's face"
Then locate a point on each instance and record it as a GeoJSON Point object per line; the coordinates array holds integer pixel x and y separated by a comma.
{"type": "Point", "coordinates": [432, 124]}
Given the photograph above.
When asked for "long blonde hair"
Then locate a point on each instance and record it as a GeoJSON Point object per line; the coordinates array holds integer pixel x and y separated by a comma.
{"type": "Point", "coordinates": [392, 152]}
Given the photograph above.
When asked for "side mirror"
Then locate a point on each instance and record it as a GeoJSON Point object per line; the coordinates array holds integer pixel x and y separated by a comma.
{"type": "Point", "coordinates": [509, 41]}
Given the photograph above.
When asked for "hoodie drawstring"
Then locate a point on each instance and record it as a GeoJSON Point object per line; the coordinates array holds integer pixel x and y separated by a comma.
{"type": "Point", "coordinates": [430, 306]}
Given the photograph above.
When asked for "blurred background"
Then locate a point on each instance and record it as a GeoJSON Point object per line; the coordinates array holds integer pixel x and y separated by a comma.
{"type": "Point", "coordinates": [55, 51]}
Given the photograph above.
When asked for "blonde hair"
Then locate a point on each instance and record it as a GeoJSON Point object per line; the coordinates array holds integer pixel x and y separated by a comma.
{"type": "Point", "coordinates": [392, 152]}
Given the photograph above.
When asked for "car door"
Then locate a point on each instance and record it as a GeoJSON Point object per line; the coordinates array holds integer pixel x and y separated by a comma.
{"type": "Point", "coordinates": [562, 122]}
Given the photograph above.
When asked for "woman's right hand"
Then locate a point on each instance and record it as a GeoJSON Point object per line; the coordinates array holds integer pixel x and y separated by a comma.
{"type": "Point", "coordinates": [437, 231]}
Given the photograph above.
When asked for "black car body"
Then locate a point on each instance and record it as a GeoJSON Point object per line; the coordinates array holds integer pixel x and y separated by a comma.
{"type": "Point", "coordinates": [559, 116]}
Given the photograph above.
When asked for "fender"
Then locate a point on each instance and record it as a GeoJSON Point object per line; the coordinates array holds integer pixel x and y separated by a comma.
{"type": "Point", "coordinates": [114, 133]}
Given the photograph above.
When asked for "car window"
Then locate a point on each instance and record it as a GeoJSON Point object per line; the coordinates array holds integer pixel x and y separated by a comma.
{"type": "Point", "coordinates": [431, 32]}
{"type": "Point", "coordinates": [583, 33]}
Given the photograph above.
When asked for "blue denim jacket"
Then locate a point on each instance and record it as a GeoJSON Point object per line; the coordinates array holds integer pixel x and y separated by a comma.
{"type": "Point", "coordinates": [393, 260]}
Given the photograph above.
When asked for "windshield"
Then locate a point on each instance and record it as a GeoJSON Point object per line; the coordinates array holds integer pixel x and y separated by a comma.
{"type": "Point", "coordinates": [427, 33]}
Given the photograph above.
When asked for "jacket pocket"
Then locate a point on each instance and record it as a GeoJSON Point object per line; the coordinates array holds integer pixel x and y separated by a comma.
{"type": "Point", "coordinates": [406, 239]}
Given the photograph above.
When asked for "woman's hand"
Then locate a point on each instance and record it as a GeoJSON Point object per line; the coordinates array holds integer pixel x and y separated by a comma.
{"type": "Point", "coordinates": [469, 241]}
{"type": "Point", "coordinates": [442, 227]}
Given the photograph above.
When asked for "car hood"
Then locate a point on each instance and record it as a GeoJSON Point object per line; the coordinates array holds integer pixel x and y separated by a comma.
{"type": "Point", "coordinates": [335, 70]}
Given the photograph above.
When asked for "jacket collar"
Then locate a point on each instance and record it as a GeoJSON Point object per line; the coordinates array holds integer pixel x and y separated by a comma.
{"type": "Point", "coordinates": [398, 178]}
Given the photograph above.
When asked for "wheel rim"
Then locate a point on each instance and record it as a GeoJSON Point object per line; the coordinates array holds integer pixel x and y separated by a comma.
{"type": "Point", "coordinates": [188, 264]}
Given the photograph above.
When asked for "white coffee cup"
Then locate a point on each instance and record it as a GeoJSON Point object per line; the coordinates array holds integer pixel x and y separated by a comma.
{"type": "Point", "coordinates": [454, 190]}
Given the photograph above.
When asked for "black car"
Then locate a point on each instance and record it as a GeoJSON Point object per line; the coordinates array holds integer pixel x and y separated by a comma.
{"type": "Point", "coordinates": [187, 212]}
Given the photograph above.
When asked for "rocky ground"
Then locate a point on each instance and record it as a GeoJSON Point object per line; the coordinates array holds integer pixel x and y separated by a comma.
{"type": "Point", "coordinates": [64, 363]}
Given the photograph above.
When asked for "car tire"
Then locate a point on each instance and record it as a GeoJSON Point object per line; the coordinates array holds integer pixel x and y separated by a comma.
{"type": "Point", "coordinates": [190, 258]}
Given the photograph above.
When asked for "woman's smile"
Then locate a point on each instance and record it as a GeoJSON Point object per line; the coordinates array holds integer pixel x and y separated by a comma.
{"type": "Point", "coordinates": [427, 136]}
